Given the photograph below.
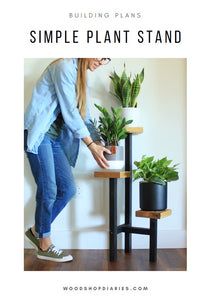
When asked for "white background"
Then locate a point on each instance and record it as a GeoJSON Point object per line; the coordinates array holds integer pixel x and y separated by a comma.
{"type": "Point", "coordinates": [83, 224]}
{"type": "Point", "coordinates": [192, 18]}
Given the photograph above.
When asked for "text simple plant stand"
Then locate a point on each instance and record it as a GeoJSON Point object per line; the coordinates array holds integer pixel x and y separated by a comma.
{"type": "Point", "coordinates": [127, 227]}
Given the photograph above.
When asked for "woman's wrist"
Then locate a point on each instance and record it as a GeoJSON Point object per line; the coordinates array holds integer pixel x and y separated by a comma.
{"type": "Point", "coordinates": [92, 146]}
{"type": "Point", "coordinates": [87, 140]}
{"type": "Point", "coordinates": [88, 145]}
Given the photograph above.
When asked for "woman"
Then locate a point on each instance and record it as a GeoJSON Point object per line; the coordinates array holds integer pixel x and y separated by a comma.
{"type": "Point", "coordinates": [56, 119]}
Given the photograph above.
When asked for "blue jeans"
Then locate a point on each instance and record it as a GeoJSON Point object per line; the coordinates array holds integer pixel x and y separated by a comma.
{"type": "Point", "coordinates": [55, 182]}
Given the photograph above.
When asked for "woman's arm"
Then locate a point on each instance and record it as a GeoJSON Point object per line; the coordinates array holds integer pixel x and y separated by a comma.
{"type": "Point", "coordinates": [64, 81]}
{"type": "Point", "coordinates": [63, 76]}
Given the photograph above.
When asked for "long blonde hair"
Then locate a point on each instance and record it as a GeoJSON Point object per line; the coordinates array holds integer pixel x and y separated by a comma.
{"type": "Point", "coordinates": [80, 84]}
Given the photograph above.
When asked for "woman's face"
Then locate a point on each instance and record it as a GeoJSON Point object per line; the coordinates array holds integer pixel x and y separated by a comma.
{"type": "Point", "coordinates": [93, 63]}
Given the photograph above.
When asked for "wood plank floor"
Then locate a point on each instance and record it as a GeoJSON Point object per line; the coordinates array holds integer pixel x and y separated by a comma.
{"type": "Point", "coordinates": [97, 260]}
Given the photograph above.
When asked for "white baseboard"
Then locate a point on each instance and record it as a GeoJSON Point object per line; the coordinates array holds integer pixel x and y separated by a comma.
{"type": "Point", "coordinates": [82, 239]}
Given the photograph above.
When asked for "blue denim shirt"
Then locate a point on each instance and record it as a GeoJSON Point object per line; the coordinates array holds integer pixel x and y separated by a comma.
{"type": "Point", "coordinates": [55, 91]}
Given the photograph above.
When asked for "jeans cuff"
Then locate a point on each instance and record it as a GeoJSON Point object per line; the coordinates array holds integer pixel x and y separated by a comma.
{"type": "Point", "coordinates": [42, 235]}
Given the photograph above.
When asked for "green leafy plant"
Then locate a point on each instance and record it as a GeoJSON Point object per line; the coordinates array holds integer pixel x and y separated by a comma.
{"type": "Point", "coordinates": [111, 126]}
{"type": "Point", "coordinates": [157, 171]}
{"type": "Point", "coordinates": [125, 89]}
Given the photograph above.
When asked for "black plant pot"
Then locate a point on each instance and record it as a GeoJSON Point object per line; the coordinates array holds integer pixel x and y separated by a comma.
{"type": "Point", "coordinates": [153, 196]}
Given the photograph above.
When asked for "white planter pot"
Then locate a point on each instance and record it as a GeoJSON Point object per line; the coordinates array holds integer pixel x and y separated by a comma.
{"type": "Point", "coordinates": [132, 113]}
{"type": "Point", "coordinates": [116, 159]}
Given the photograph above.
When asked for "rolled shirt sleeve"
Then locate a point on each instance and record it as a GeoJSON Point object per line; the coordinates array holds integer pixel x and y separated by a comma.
{"type": "Point", "coordinates": [64, 79]}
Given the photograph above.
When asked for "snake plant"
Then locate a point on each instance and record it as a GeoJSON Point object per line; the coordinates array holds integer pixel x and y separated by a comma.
{"type": "Point", "coordinates": [111, 125]}
{"type": "Point", "coordinates": [125, 89]}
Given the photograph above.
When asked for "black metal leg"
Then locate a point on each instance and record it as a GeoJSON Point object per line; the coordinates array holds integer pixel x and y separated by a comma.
{"type": "Point", "coordinates": [153, 240]}
{"type": "Point", "coordinates": [128, 191]}
{"type": "Point", "coordinates": [112, 219]}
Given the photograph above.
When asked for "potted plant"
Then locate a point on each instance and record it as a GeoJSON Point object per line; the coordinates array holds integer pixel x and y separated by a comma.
{"type": "Point", "coordinates": [153, 188]}
{"type": "Point", "coordinates": [112, 129]}
{"type": "Point", "coordinates": [126, 90]}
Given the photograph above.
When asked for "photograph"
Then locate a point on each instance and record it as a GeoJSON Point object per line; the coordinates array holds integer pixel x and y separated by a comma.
{"type": "Point", "coordinates": [105, 164]}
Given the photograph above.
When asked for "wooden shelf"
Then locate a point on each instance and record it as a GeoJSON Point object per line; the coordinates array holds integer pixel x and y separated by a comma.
{"type": "Point", "coordinates": [112, 174]}
{"type": "Point", "coordinates": [153, 214]}
{"type": "Point", "coordinates": [134, 130]}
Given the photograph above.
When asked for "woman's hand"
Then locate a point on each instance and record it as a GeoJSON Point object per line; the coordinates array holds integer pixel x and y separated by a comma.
{"type": "Point", "coordinates": [97, 152]}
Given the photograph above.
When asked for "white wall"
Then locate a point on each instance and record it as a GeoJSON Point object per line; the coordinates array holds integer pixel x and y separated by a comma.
{"type": "Point", "coordinates": [84, 222]}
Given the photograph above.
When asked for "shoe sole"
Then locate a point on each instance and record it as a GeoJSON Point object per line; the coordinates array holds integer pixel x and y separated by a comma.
{"type": "Point", "coordinates": [30, 241]}
{"type": "Point", "coordinates": [55, 259]}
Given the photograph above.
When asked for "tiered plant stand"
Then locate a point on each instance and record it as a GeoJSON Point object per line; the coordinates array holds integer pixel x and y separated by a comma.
{"type": "Point", "coordinates": [127, 227]}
